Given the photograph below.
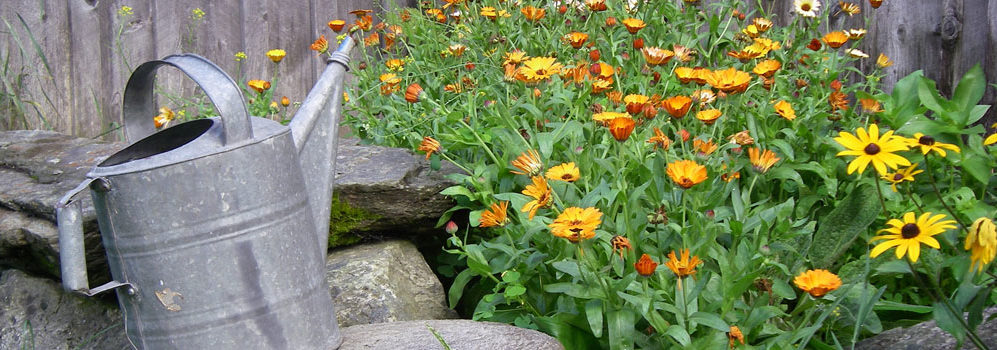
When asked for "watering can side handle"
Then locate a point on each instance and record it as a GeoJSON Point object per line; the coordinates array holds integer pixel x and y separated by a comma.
{"type": "Point", "coordinates": [138, 109]}
{"type": "Point", "coordinates": [72, 259]}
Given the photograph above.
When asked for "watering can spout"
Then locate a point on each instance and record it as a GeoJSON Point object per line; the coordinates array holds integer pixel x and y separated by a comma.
{"type": "Point", "coordinates": [314, 129]}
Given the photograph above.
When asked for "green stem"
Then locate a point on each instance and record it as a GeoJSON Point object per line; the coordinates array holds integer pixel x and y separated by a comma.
{"type": "Point", "coordinates": [937, 296]}
{"type": "Point", "coordinates": [939, 194]}
{"type": "Point", "coordinates": [879, 193]}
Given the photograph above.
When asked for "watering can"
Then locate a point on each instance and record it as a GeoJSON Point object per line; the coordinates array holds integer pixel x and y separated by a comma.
{"type": "Point", "coordinates": [216, 230]}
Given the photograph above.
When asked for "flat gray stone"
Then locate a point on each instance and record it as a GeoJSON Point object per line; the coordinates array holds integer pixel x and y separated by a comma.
{"type": "Point", "coordinates": [384, 282]}
{"type": "Point", "coordinates": [458, 334]}
{"type": "Point", "coordinates": [35, 313]}
{"type": "Point", "coordinates": [927, 336]}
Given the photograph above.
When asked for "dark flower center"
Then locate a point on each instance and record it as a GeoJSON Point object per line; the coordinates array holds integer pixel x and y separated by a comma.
{"type": "Point", "coordinates": [566, 177]}
{"type": "Point", "coordinates": [898, 177]}
{"type": "Point", "coordinates": [805, 7]}
{"type": "Point", "coordinates": [909, 231]}
{"type": "Point", "coordinates": [871, 149]}
{"type": "Point", "coordinates": [926, 140]}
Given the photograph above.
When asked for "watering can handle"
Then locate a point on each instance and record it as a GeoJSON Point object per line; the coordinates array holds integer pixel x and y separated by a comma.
{"type": "Point", "coordinates": [72, 259]}
{"type": "Point", "coordinates": [138, 109]}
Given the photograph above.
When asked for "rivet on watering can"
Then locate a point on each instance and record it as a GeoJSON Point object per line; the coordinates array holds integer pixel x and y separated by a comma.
{"type": "Point", "coordinates": [130, 291]}
{"type": "Point", "coordinates": [100, 185]}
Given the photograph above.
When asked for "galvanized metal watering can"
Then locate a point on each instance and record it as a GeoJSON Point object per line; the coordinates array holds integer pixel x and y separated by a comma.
{"type": "Point", "coordinates": [216, 230]}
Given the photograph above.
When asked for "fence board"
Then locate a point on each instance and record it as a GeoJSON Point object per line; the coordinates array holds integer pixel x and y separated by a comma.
{"type": "Point", "coordinates": [944, 38]}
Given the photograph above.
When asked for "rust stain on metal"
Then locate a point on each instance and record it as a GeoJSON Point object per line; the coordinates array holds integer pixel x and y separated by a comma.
{"type": "Point", "coordinates": [168, 298]}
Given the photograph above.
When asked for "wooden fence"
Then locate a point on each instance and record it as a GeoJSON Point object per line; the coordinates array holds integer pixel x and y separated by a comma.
{"type": "Point", "coordinates": [69, 60]}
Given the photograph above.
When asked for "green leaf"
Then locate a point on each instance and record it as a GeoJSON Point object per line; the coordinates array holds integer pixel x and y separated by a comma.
{"type": "Point", "coordinates": [947, 321]}
{"type": "Point", "coordinates": [568, 267]}
{"type": "Point", "coordinates": [710, 320]}
{"type": "Point", "coordinates": [782, 289]}
{"type": "Point", "coordinates": [930, 97]}
{"type": "Point", "coordinates": [893, 266]}
{"type": "Point", "coordinates": [457, 288]}
{"type": "Point", "coordinates": [839, 228]}
{"type": "Point", "coordinates": [976, 113]}
{"type": "Point", "coordinates": [546, 142]}
{"type": "Point", "coordinates": [679, 334]}
{"type": "Point", "coordinates": [476, 260]}
{"type": "Point", "coordinates": [510, 277]}
{"type": "Point", "coordinates": [621, 328]}
{"type": "Point", "coordinates": [570, 336]}
{"type": "Point", "coordinates": [593, 311]}
{"type": "Point", "coordinates": [977, 168]}
{"type": "Point", "coordinates": [886, 305]}
{"type": "Point", "coordinates": [514, 290]}
{"type": "Point", "coordinates": [969, 91]}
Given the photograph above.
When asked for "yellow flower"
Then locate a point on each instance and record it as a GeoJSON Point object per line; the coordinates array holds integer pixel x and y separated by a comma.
{"type": "Point", "coordinates": [817, 282]}
{"type": "Point", "coordinates": [785, 110]}
{"type": "Point", "coordinates": [633, 25]}
{"type": "Point", "coordinates": [259, 85]}
{"type": "Point", "coordinates": [835, 39]}
{"type": "Point", "coordinates": [656, 56]}
{"type": "Point", "coordinates": [928, 144]}
{"type": "Point", "coordinates": [686, 173]}
{"type": "Point", "coordinates": [992, 139]}
{"type": "Point", "coordinates": [429, 145]}
{"type": "Point", "coordinates": [855, 34]}
{"type": "Point", "coordinates": [677, 106]}
{"type": "Point", "coordinates": [659, 140]}
{"type": "Point", "coordinates": [540, 193]}
{"type": "Point", "coordinates": [849, 8]}
{"type": "Point", "coordinates": [870, 105]}
{"type": "Point", "coordinates": [704, 148]}
{"type": "Point", "coordinates": [576, 39]}
{"type": "Point", "coordinates": [576, 224]}
{"type": "Point", "coordinates": [901, 176]}
{"type": "Point", "coordinates": [908, 234]}
{"type": "Point", "coordinates": [528, 163]}
{"type": "Point", "coordinates": [496, 215]}
{"type": "Point", "coordinates": [605, 117]}
{"type": "Point", "coordinates": [729, 80]}
{"type": "Point", "coordinates": [708, 116]}
{"type": "Point", "coordinates": [395, 64]}
{"type": "Point", "coordinates": [276, 55]}
{"type": "Point", "coordinates": [533, 13]}
{"type": "Point", "coordinates": [390, 83]}
{"type": "Point", "coordinates": [762, 160]}
{"type": "Point", "coordinates": [883, 61]}
{"type": "Point", "coordinates": [239, 56]}
{"type": "Point", "coordinates": [635, 103]}
{"type": "Point", "coordinates": [807, 8]}
{"type": "Point", "coordinates": [767, 68]}
{"type": "Point", "coordinates": [564, 172]}
{"type": "Point", "coordinates": [872, 148]}
{"type": "Point", "coordinates": [164, 118]}
{"type": "Point", "coordinates": [514, 57]}
{"type": "Point", "coordinates": [735, 335]}
{"type": "Point", "coordinates": [537, 69]}
{"type": "Point", "coordinates": [762, 24]}
{"type": "Point", "coordinates": [684, 266]}
{"type": "Point", "coordinates": [685, 74]}
{"type": "Point", "coordinates": [981, 242]}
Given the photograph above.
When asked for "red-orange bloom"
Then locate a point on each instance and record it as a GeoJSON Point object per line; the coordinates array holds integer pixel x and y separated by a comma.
{"type": "Point", "coordinates": [621, 128]}
{"type": "Point", "coordinates": [533, 13]}
{"type": "Point", "coordinates": [645, 266]}
{"type": "Point", "coordinates": [677, 106]}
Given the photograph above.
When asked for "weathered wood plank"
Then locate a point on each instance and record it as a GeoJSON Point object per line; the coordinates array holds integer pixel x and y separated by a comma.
{"type": "Point", "coordinates": [90, 66]}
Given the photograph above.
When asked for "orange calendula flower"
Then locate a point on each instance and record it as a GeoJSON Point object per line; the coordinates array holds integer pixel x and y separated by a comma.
{"type": "Point", "coordinates": [576, 224]}
{"type": "Point", "coordinates": [528, 163]}
{"type": "Point", "coordinates": [620, 244]}
{"type": "Point", "coordinates": [870, 105]}
{"type": "Point", "coordinates": [657, 56]}
{"type": "Point", "coordinates": [564, 172]}
{"type": "Point", "coordinates": [538, 69]}
{"type": "Point", "coordinates": [390, 83]}
{"type": "Point", "coordinates": [605, 117]}
{"type": "Point", "coordinates": [259, 85]}
{"type": "Point", "coordinates": [514, 57]}
{"type": "Point", "coordinates": [677, 106]}
{"type": "Point", "coordinates": [429, 145]}
{"type": "Point", "coordinates": [785, 110]}
{"type": "Point", "coordinates": [708, 116]}
{"type": "Point", "coordinates": [762, 160]}
{"type": "Point", "coordinates": [767, 68]}
{"type": "Point", "coordinates": [321, 45]}
{"type": "Point", "coordinates": [284, 101]}
{"type": "Point", "coordinates": [683, 53]}
{"type": "Point", "coordinates": [928, 144]}
{"type": "Point", "coordinates": [729, 80]}
{"type": "Point", "coordinates": [601, 85]}
{"type": "Point", "coordinates": [413, 93]}
{"type": "Point", "coordinates": [336, 25]}
{"type": "Point", "coordinates": [835, 39]}
{"type": "Point", "coordinates": [704, 148]}
{"type": "Point", "coordinates": [659, 140]}
{"type": "Point", "coordinates": [633, 25]}
{"type": "Point", "coordinates": [684, 74]}
{"type": "Point", "coordinates": [684, 266]}
{"type": "Point", "coordinates": [848, 8]}
{"type": "Point", "coordinates": [540, 192]}
{"type": "Point", "coordinates": [763, 24]}
{"type": "Point", "coordinates": [742, 138]}
{"type": "Point", "coordinates": [437, 15]}
{"type": "Point", "coordinates": [817, 282]}
{"type": "Point", "coordinates": [596, 5]}
{"type": "Point", "coordinates": [883, 61]}
{"type": "Point", "coordinates": [635, 103]}
{"type": "Point", "coordinates": [686, 173]}
{"type": "Point", "coordinates": [576, 39]}
{"type": "Point", "coordinates": [495, 215]}
{"type": "Point", "coordinates": [533, 13]}
{"type": "Point", "coordinates": [276, 55]}
{"type": "Point", "coordinates": [855, 34]}
{"type": "Point", "coordinates": [621, 128]}
{"type": "Point", "coordinates": [395, 64]}
{"type": "Point", "coordinates": [164, 118]}
{"type": "Point", "coordinates": [645, 266]}
{"type": "Point", "coordinates": [735, 335]}
{"type": "Point", "coordinates": [875, 3]}
{"type": "Point", "coordinates": [703, 97]}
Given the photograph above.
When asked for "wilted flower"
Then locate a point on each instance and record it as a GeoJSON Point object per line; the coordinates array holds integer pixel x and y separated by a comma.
{"type": "Point", "coordinates": [659, 140]}
{"type": "Point", "coordinates": [429, 145]}
{"type": "Point", "coordinates": [981, 242]}
{"type": "Point", "coordinates": [564, 172]}
{"type": "Point", "coordinates": [596, 5]}
{"type": "Point", "coordinates": [620, 244]}
{"type": "Point", "coordinates": [817, 282]}
{"type": "Point", "coordinates": [742, 138]}
{"type": "Point", "coordinates": [704, 148]}
{"type": "Point", "coordinates": [528, 163]}
{"type": "Point", "coordinates": [856, 53]}
{"type": "Point", "coordinates": [735, 335]}
{"type": "Point", "coordinates": [883, 61]}
{"type": "Point", "coordinates": [576, 224]}
{"type": "Point", "coordinates": [686, 173]}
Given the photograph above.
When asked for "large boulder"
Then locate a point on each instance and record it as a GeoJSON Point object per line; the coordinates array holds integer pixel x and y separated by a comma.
{"type": "Point", "coordinates": [379, 191]}
{"type": "Point", "coordinates": [927, 336]}
{"type": "Point", "coordinates": [457, 334]}
{"type": "Point", "coordinates": [35, 313]}
{"type": "Point", "coordinates": [384, 282]}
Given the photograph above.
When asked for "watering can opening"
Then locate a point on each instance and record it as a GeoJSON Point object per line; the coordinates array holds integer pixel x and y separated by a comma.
{"type": "Point", "coordinates": [160, 142]}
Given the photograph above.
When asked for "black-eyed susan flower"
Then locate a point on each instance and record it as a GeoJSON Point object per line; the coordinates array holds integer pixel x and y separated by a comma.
{"type": "Point", "coordinates": [871, 147]}
{"type": "Point", "coordinates": [928, 144]}
{"type": "Point", "coordinates": [495, 215]}
{"type": "Point", "coordinates": [686, 173]}
{"type": "Point", "coordinates": [981, 242]}
{"type": "Point", "coordinates": [564, 172]}
{"type": "Point", "coordinates": [684, 265]}
{"type": "Point", "coordinates": [807, 8]}
{"type": "Point", "coordinates": [818, 282]}
{"type": "Point", "coordinates": [429, 145]}
{"type": "Point", "coordinates": [762, 160]}
{"type": "Point", "coordinates": [907, 234]}
{"type": "Point", "coordinates": [540, 192]}
{"type": "Point", "coordinates": [528, 163]}
{"type": "Point", "coordinates": [659, 140]}
{"type": "Point", "coordinates": [645, 266]}
{"type": "Point", "coordinates": [576, 224]}
{"type": "Point", "coordinates": [907, 174]}
{"type": "Point", "coordinates": [785, 110]}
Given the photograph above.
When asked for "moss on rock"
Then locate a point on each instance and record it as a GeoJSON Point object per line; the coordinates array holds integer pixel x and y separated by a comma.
{"type": "Point", "coordinates": [344, 220]}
